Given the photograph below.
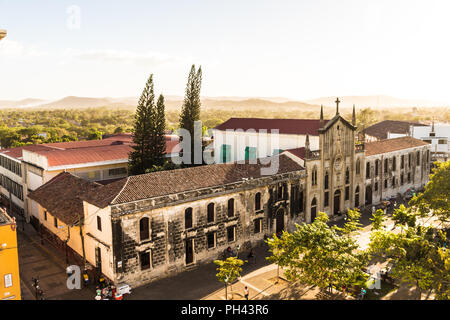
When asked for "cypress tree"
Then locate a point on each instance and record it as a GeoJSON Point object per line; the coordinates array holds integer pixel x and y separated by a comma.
{"type": "Point", "coordinates": [190, 111]}
{"type": "Point", "coordinates": [159, 145]}
{"type": "Point", "coordinates": [142, 157]}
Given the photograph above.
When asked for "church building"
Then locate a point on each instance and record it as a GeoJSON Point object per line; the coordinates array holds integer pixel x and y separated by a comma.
{"type": "Point", "coordinates": [140, 228]}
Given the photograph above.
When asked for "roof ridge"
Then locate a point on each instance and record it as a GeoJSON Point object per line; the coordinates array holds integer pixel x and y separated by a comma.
{"type": "Point", "coordinates": [120, 192]}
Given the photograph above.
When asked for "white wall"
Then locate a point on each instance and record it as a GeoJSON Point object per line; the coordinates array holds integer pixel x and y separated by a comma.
{"type": "Point", "coordinates": [265, 143]}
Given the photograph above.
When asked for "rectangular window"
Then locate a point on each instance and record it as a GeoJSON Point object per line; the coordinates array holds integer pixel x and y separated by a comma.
{"type": "Point", "coordinates": [250, 153]}
{"type": "Point", "coordinates": [257, 225]}
{"type": "Point", "coordinates": [211, 240]}
{"type": "Point", "coordinates": [401, 179]}
{"type": "Point", "coordinates": [231, 208]}
{"type": "Point", "coordinates": [45, 215]}
{"type": "Point", "coordinates": [347, 193]}
{"type": "Point", "coordinates": [188, 218]}
{"type": "Point", "coordinates": [55, 222]}
{"type": "Point", "coordinates": [231, 233]}
{"type": "Point", "coordinates": [326, 200]}
{"type": "Point", "coordinates": [8, 280]}
{"type": "Point", "coordinates": [210, 215]}
{"type": "Point", "coordinates": [402, 162]}
{"type": "Point", "coordinates": [225, 153]}
{"type": "Point", "coordinates": [376, 186]}
{"type": "Point", "coordinates": [99, 223]}
{"type": "Point", "coordinates": [385, 183]}
{"type": "Point", "coordinates": [117, 171]}
{"type": "Point", "coordinates": [145, 260]}
{"type": "Point", "coordinates": [409, 177]}
{"type": "Point", "coordinates": [441, 141]}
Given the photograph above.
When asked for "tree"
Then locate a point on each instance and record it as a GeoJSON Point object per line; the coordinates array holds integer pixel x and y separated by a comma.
{"type": "Point", "coordinates": [118, 130]}
{"type": "Point", "coordinates": [148, 132]}
{"type": "Point", "coordinates": [435, 198]}
{"type": "Point", "coordinates": [365, 118]}
{"type": "Point", "coordinates": [228, 271]}
{"type": "Point", "coordinates": [94, 135]}
{"type": "Point", "coordinates": [159, 143]}
{"type": "Point", "coordinates": [320, 255]}
{"type": "Point", "coordinates": [190, 111]}
{"type": "Point", "coordinates": [417, 256]}
{"type": "Point", "coordinates": [378, 219]}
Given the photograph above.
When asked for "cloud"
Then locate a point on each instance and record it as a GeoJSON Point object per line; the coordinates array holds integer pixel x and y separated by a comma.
{"type": "Point", "coordinates": [10, 48]}
{"type": "Point", "coordinates": [121, 56]}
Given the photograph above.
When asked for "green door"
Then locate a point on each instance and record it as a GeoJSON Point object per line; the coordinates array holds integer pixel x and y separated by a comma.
{"type": "Point", "coordinates": [225, 153]}
{"type": "Point", "coordinates": [250, 153]}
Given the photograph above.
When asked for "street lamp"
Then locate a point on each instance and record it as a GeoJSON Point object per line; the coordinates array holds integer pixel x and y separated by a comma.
{"type": "Point", "coordinates": [2, 33]}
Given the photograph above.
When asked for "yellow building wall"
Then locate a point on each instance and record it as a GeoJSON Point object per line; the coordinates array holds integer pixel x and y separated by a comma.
{"type": "Point", "coordinates": [9, 264]}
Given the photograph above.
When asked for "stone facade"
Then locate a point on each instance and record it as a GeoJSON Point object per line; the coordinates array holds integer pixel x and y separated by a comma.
{"type": "Point", "coordinates": [170, 240]}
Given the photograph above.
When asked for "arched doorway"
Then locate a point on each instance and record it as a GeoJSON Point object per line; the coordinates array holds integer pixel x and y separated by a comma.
{"type": "Point", "coordinates": [313, 209]}
{"type": "Point", "coordinates": [280, 221]}
{"type": "Point", "coordinates": [337, 201]}
{"type": "Point", "coordinates": [357, 197]}
{"type": "Point", "coordinates": [368, 195]}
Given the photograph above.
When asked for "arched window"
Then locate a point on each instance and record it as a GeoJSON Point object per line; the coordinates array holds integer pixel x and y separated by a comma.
{"type": "Point", "coordinates": [367, 170]}
{"type": "Point", "coordinates": [313, 209]}
{"type": "Point", "coordinates": [144, 229]}
{"type": "Point", "coordinates": [326, 180]}
{"type": "Point", "coordinates": [230, 208]}
{"type": "Point", "coordinates": [314, 176]}
{"type": "Point", "coordinates": [211, 213]}
{"type": "Point", "coordinates": [358, 166]}
{"type": "Point", "coordinates": [357, 196]}
{"type": "Point", "coordinates": [188, 218]}
{"type": "Point", "coordinates": [347, 176]}
{"type": "Point", "coordinates": [258, 201]}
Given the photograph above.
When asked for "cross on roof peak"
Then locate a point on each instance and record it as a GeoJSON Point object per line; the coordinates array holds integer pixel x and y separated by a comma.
{"type": "Point", "coordinates": [337, 105]}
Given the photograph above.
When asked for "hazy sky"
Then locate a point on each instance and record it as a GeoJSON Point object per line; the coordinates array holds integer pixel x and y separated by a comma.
{"type": "Point", "coordinates": [294, 49]}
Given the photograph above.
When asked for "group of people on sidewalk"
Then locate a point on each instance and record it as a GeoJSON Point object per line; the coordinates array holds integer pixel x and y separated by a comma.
{"type": "Point", "coordinates": [106, 291]}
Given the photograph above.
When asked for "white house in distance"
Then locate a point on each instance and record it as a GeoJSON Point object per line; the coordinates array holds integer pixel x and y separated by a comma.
{"type": "Point", "coordinates": [438, 136]}
{"type": "Point", "coordinates": [240, 139]}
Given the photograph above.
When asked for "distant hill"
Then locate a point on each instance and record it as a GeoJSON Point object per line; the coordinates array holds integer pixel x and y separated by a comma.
{"type": "Point", "coordinates": [24, 103]}
{"type": "Point", "coordinates": [81, 102]}
{"type": "Point", "coordinates": [174, 102]}
{"type": "Point", "coordinates": [375, 102]}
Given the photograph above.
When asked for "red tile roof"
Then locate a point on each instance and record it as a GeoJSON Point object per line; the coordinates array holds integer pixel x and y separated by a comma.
{"type": "Point", "coordinates": [88, 151]}
{"type": "Point", "coordinates": [381, 129]}
{"type": "Point", "coordinates": [389, 145]}
{"type": "Point", "coordinates": [299, 152]}
{"type": "Point", "coordinates": [285, 126]}
{"type": "Point", "coordinates": [63, 196]}
{"type": "Point", "coordinates": [161, 183]}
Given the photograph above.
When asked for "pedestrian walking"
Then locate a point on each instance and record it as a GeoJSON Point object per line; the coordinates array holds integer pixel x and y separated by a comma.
{"type": "Point", "coordinates": [68, 271]}
{"type": "Point", "coordinates": [363, 293]}
{"type": "Point", "coordinates": [86, 278]}
{"type": "Point", "coordinates": [246, 293]}
{"type": "Point", "coordinates": [251, 255]}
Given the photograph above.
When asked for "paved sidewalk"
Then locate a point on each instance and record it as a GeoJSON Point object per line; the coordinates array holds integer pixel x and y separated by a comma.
{"type": "Point", "coordinates": [48, 264]}
{"type": "Point", "coordinates": [197, 283]}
